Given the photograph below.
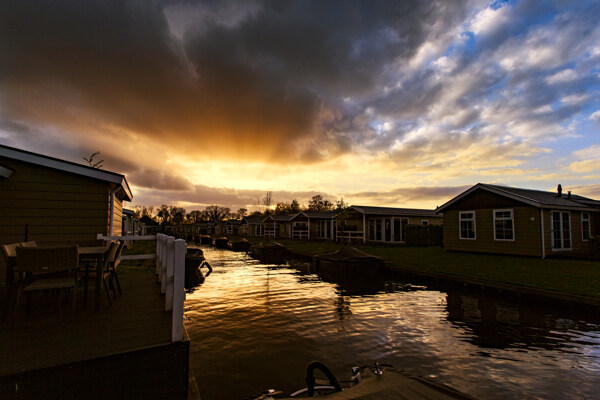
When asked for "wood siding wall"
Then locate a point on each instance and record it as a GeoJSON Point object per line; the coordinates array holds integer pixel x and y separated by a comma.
{"type": "Point", "coordinates": [526, 232]}
{"type": "Point", "coordinates": [578, 245]}
{"type": "Point", "coordinates": [56, 206]}
{"type": "Point", "coordinates": [527, 228]}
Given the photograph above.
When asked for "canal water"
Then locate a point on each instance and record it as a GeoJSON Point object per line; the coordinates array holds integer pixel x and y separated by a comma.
{"type": "Point", "coordinates": [254, 326]}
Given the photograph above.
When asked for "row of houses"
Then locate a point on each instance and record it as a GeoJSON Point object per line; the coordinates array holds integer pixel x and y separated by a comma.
{"type": "Point", "coordinates": [53, 201]}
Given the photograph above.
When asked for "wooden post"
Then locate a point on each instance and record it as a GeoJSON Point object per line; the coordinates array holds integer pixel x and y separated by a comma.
{"type": "Point", "coordinates": [178, 290]}
{"type": "Point", "coordinates": [168, 273]}
{"type": "Point", "coordinates": [158, 253]}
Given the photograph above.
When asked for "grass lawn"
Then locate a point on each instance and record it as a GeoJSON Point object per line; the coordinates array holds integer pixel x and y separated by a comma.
{"type": "Point", "coordinates": [568, 276]}
{"type": "Point", "coordinates": [138, 266]}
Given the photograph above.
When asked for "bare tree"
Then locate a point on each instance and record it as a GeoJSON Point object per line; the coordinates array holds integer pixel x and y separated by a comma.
{"type": "Point", "coordinates": [94, 164]}
{"type": "Point", "coordinates": [267, 201]}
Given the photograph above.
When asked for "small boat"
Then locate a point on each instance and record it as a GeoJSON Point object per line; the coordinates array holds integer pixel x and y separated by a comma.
{"type": "Point", "coordinates": [348, 261]}
{"type": "Point", "coordinates": [240, 245]}
{"type": "Point", "coordinates": [194, 261]}
{"type": "Point", "coordinates": [205, 239]}
{"type": "Point", "coordinates": [377, 382]}
{"type": "Point", "coordinates": [269, 253]}
{"type": "Point", "coordinates": [221, 243]}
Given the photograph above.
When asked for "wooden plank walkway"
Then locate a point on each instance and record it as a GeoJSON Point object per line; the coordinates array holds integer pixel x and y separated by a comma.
{"type": "Point", "coordinates": [46, 340]}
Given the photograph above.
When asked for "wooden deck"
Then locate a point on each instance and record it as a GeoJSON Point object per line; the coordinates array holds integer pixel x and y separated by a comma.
{"type": "Point", "coordinates": [120, 351]}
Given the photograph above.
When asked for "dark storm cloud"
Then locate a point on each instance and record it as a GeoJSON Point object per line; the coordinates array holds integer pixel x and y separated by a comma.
{"type": "Point", "coordinates": [250, 89]}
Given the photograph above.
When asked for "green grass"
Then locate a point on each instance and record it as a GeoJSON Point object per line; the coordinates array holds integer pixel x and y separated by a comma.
{"type": "Point", "coordinates": [567, 276]}
{"type": "Point", "coordinates": [139, 266]}
{"type": "Point", "coordinates": [576, 277]}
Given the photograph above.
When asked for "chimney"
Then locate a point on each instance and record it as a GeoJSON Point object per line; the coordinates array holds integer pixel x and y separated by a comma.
{"type": "Point", "coordinates": [559, 190]}
{"type": "Point", "coordinates": [569, 194]}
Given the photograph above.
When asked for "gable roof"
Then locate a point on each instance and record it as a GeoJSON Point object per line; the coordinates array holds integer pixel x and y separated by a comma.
{"type": "Point", "coordinates": [535, 198]}
{"type": "Point", "coordinates": [279, 218]}
{"type": "Point", "coordinates": [316, 214]}
{"type": "Point", "coordinates": [253, 219]}
{"type": "Point", "coordinates": [404, 212]}
{"type": "Point", "coordinates": [67, 166]}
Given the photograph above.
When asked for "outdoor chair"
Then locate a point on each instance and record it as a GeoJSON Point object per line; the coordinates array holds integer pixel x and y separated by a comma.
{"type": "Point", "coordinates": [47, 268]}
{"type": "Point", "coordinates": [10, 256]}
{"type": "Point", "coordinates": [106, 276]}
{"type": "Point", "coordinates": [112, 264]}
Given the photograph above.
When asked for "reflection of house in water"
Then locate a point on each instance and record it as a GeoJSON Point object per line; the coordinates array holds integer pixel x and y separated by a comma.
{"type": "Point", "coordinates": [499, 324]}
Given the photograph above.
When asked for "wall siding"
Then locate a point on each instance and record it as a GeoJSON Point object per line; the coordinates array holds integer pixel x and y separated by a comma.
{"type": "Point", "coordinates": [526, 231]}
{"type": "Point", "coordinates": [56, 206]}
{"type": "Point", "coordinates": [578, 245]}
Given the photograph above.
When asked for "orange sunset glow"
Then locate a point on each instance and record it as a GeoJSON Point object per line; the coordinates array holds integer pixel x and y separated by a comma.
{"type": "Point", "coordinates": [401, 104]}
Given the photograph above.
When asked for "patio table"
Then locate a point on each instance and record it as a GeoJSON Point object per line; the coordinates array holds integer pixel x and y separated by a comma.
{"type": "Point", "coordinates": [93, 253]}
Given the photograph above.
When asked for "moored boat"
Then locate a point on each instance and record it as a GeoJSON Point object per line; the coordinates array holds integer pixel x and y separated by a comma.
{"type": "Point", "coordinates": [205, 239]}
{"type": "Point", "coordinates": [269, 253]}
{"type": "Point", "coordinates": [347, 261]}
{"type": "Point", "coordinates": [377, 382]}
{"type": "Point", "coordinates": [240, 245]}
{"type": "Point", "coordinates": [221, 243]}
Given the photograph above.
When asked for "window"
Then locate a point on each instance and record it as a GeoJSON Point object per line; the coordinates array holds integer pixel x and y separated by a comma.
{"type": "Point", "coordinates": [585, 226]}
{"type": "Point", "coordinates": [504, 225]}
{"type": "Point", "coordinates": [467, 224]}
{"type": "Point", "coordinates": [561, 230]}
{"type": "Point", "coordinates": [425, 222]}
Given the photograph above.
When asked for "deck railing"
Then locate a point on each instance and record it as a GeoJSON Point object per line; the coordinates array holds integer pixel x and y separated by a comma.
{"type": "Point", "coordinates": [170, 271]}
{"type": "Point", "coordinates": [350, 234]}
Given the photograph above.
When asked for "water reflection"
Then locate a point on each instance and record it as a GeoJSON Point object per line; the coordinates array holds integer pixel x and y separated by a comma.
{"type": "Point", "coordinates": [499, 324]}
{"type": "Point", "coordinates": [260, 325]}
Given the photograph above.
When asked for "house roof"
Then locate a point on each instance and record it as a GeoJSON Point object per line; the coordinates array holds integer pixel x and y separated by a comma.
{"type": "Point", "coordinates": [404, 212]}
{"type": "Point", "coordinates": [279, 218]}
{"type": "Point", "coordinates": [253, 219]}
{"type": "Point", "coordinates": [535, 198]}
{"type": "Point", "coordinates": [67, 166]}
{"type": "Point", "coordinates": [316, 214]}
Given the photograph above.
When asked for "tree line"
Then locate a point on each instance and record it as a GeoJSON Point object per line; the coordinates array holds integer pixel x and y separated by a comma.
{"type": "Point", "coordinates": [172, 215]}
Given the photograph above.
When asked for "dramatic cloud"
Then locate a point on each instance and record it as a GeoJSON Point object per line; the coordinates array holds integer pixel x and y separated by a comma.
{"type": "Point", "coordinates": [298, 97]}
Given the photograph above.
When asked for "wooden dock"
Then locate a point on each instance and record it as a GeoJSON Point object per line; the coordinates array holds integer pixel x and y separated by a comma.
{"type": "Point", "coordinates": [121, 351]}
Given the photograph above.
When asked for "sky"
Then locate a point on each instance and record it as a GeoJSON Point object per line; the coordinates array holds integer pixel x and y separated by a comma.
{"type": "Point", "coordinates": [381, 103]}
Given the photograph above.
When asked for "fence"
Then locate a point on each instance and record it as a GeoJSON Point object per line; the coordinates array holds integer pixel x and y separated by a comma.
{"type": "Point", "coordinates": [170, 271]}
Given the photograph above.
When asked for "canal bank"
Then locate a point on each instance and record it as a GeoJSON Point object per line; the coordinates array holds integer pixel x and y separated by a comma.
{"type": "Point", "coordinates": [505, 275]}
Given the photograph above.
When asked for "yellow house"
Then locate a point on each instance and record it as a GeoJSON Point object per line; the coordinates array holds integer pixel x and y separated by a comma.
{"type": "Point", "coordinates": [53, 201]}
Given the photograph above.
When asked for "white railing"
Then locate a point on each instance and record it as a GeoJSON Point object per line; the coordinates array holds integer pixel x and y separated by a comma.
{"type": "Point", "coordinates": [170, 271]}
{"type": "Point", "coordinates": [350, 234]}
{"type": "Point", "coordinates": [300, 234]}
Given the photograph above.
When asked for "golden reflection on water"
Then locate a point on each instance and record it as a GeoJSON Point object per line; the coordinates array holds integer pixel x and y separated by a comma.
{"type": "Point", "coordinates": [258, 326]}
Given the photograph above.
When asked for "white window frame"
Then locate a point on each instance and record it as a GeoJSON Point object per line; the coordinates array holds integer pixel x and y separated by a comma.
{"type": "Point", "coordinates": [583, 228]}
{"type": "Point", "coordinates": [562, 238]}
{"type": "Point", "coordinates": [460, 220]}
{"type": "Point", "coordinates": [512, 220]}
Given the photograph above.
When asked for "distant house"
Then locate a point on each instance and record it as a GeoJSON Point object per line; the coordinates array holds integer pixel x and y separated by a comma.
{"type": "Point", "coordinates": [131, 225]}
{"type": "Point", "coordinates": [277, 226]}
{"type": "Point", "coordinates": [313, 225]}
{"type": "Point", "coordinates": [508, 220]}
{"type": "Point", "coordinates": [233, 227]}
{"type": "Point", "coordinates": [252, 226]}
{"type": "Point", "coordinates": [383, 224]}
{"type": "Point", "coordinates": [50, 200]}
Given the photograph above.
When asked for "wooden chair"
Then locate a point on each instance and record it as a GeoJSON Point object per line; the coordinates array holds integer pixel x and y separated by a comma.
{"type": "Point", "coordinates": [106, 276]}
{"type": "Point", "coordinates": [112, 264]}
{"type": "Point", "coordinates": [10, 255]}
{"type": "Point", "coordinates": [47, 268]}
